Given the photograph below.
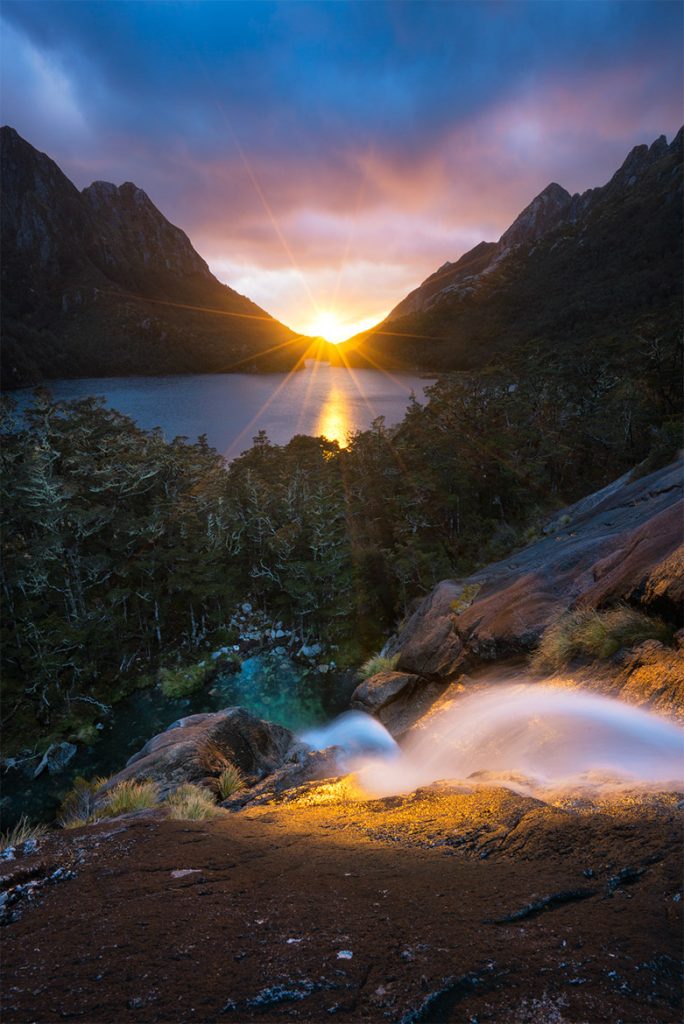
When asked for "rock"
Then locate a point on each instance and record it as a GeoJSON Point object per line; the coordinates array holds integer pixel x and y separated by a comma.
{"type": "Point", "coordinates": [311, 650]}
{"type": "Point", "coordinates": [397, 699]}
{"type": "Point", "coordinates": [428, 644]}
{"type": "Point", "coordinates": [56, 757]}
{"type": "Point", "coordinates": [653, 675]}
{"type": "Point", "coordinates": [621, 544]}
{"type": "Point", "coordinates": [180, 753]}
{"type": "Point", "coordinates": [661, 591]}
{"type": "Point", "coordinates": [246, 608]}
{"type": "Point", "coordinates": [303, 766]}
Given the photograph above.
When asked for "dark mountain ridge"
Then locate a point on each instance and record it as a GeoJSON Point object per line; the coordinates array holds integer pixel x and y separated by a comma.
{"type": "Point", "coordinates": [580, 271]}
{"type": "Point", "coordinates": [99, 283]}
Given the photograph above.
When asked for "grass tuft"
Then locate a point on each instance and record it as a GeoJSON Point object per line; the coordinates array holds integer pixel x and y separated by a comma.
{"type": "Point", "coordinates": [130, 795]}
{"type": "Point", "coordinates": [229, 781]}
{"type": "Point", "coordinates": [85, 803]}
{"type": "Point", "coordinates": [192, 803]}
{"type": "Point", "coordinates": [212, 757]}
{"type": "Point", "coordinates": [22, 833]}
{"type": "Point", "coordinates": [78, 806]}
{"type": "Point", "coordinates": [586, 633]}
{"type": "Point", "coordinates": [378, 663]}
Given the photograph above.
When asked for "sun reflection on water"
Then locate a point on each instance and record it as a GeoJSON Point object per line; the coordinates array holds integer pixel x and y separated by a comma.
{"type": "Point", "coordinates": [334, 421]}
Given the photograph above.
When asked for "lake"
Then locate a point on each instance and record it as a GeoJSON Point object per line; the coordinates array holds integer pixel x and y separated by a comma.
{"type": "Point", "coordinates": [230, 408]}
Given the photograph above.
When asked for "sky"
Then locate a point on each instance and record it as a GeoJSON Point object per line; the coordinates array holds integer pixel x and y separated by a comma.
{"type": "Point", "coordinates": [325, 157]}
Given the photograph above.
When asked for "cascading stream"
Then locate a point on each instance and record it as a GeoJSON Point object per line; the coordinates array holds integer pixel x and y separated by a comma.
{"type": "Point", "coordinates": [528, 736]}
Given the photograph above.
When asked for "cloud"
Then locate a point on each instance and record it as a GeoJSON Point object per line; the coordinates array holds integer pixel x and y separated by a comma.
{"type": "Point", "coordinates": [359, 143]}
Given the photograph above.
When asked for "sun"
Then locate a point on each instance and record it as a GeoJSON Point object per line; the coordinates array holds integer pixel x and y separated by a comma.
{"type": "Point", "coordinates": [330, 326]}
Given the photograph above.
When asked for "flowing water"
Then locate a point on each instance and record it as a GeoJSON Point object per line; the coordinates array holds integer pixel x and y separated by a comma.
{"type": "Point", "coordinates": [530, 737]}
{"type": "Point", "coordinates": [230, 408]}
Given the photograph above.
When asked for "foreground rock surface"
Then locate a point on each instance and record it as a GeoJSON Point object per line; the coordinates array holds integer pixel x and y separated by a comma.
{"type": "Point", "coordinates": [440, 906]}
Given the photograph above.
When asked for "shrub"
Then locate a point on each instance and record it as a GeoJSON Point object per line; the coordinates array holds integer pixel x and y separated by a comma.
{"type": "Point", "coordinates": [179, 682]}
{"type": "Point", "coordinates": [229, 781]}
{"type": "Point", "coordinates": [78, 806]}
{"type": "Point", "coordinates": [22, 832]}
{"type": "Point", "coordinates": [192, 802]}
{"type": "Point", "coordinates": [378, 663]}
{"type": "Point", "coordinates": [596, 634]}
{"type": "Point", "coordinates": [130, 795]}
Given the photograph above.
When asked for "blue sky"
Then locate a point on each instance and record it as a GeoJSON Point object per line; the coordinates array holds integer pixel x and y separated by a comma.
{"type": "Point", "coordinates": [326, 155]}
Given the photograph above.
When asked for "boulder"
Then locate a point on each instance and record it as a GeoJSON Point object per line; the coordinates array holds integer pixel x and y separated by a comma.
{"type": "Point", "coordinates": [397, 699]}
{"type": "Point", "coordinates": [191, 750]}
{"type": "Point", "coordinates": [427, 644]}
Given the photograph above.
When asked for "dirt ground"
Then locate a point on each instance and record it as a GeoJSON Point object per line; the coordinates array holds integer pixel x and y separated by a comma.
{"type": "Point", "coordinates": [444, 906]}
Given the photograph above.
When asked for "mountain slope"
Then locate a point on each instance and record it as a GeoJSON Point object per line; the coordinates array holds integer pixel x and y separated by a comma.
{"type": "Point", "coordinates": [98, 282]}
{"type": "Point", "coordinates": [571, 275]}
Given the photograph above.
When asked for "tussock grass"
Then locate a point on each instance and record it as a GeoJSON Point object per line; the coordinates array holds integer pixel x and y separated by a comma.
{"type": "Point", "coordinates": [22, 832]}
{"type": "Point", "coordinates": [596, 634]}
{"type": "Point", "coordinates": [378, 663]}
{"type": "Point", "coordinates": [78, 806]}
{"type": "Point", "coordinates": [212, 757]}
{"type": "Point", "coordinates": [229, 781]}
{"type": "Point", "coordinates": [85, 803]}
{"type": "Point", "coordinates": [192, 803]}
{"type": "Point", "coordinates": [130, 796]}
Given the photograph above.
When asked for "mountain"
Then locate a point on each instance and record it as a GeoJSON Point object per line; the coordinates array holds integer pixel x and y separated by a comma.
{"type": "Point", "coordinates": [98, 283]}
{"type": "Point", "coordinates": [570, 274]}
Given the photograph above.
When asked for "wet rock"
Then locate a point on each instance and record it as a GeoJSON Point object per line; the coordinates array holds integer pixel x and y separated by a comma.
{"type": "Point", "coordinates": [397, 699]}
{"type": "Point", "coordinates": [187, 750]}
{"type": "Point", "coordinates": [55, 758]}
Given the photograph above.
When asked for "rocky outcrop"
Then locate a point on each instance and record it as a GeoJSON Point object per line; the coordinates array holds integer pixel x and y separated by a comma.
{"type": "Point", "coordinates": [624, 546]}
{"type": "Point", "coordinates": [652, 675]}
{"type": "Point", "coordinates": [427, 644]}
{"type": "Point", "coordinates": [397, 699]}
{"type": "Point", "coordinates": [193, 750]}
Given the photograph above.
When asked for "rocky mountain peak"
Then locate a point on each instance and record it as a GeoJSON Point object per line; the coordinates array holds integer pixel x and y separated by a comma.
{"type": "Point", "coordinates": [544, 213]}
{"type": "Point", "coordinates": [639, 159]}
{"type": "Point", "coordinates": [110, 282]}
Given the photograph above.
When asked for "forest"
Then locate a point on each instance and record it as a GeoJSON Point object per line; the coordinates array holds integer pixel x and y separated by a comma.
{"type": "Point", "coordinates": [125, 553]}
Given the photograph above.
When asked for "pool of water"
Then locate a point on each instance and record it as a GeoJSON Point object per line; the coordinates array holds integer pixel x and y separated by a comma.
{"type": "Point", "coordinates": [269, 686]}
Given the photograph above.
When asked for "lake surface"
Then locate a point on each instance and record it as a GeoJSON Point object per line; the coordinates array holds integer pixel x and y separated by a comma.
{"type": "Point", "coordinates": [230, 408]}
